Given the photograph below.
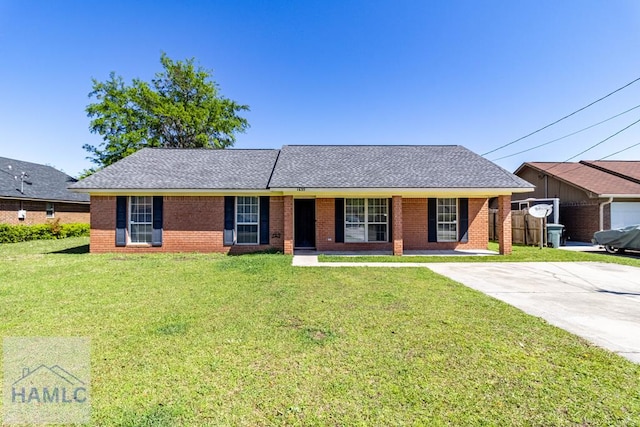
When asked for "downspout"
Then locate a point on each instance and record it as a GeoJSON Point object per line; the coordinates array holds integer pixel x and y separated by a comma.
{"type": "Point", "coordinates": [608, 202]}
{"type": "Point", "coordinates": [546, 186]}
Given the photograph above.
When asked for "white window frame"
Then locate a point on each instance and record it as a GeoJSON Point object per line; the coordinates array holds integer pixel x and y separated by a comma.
{"type": "Point", "coordinates": [366, 222]}
{"type": "Point", "coordinates": [247, 223]}
{"type": "Point", "coordinates": [50, 207]}
{"type": "Point", "coordinates": [131, 224]}
{"type": "Point", "coordinates": [447, 221]}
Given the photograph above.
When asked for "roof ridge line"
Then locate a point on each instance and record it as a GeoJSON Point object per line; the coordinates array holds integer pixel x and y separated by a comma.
{"type": "Point", "coordinates": [273, 169]}
{"type": "Point", "coordinates": [610, 172]}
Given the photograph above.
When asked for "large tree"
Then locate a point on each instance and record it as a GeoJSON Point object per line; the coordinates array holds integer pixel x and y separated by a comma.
{"type": "Point", "coordinates": [180, 108]}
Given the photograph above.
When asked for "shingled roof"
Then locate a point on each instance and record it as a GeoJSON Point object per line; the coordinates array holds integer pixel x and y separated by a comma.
{"type": "Point", "coordinates": [184, 169]}
{"type": "Point", "coordinates": [596, 180]}
{"type": "Point", "coordinates": [388, 166]}
{"type": "Point", "coordinates": [41, 182]}
{"type": "Point", "coordinates": [309, 166]}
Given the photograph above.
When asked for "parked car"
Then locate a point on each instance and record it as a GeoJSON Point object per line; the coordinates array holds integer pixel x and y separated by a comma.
{"type": "Point", "coordinates": [618, 240]}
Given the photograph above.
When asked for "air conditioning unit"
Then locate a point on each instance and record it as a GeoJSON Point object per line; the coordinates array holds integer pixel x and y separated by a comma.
{"type": "Point", "coordinates": [229, 237]}
{"type": "Point", "coordinates": [22, 214]}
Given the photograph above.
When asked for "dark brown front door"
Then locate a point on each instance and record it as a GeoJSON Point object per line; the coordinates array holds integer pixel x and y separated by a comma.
{"type": "Point", "coordinates": [305, 223]}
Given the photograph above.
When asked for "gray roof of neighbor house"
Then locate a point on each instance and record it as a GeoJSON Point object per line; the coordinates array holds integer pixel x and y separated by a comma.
{"type": "Point", "coordinates": [388, 166]}
{"type": "Point", "coordinates": [197, 169]}
{"type": "Point", "coordinates": [41, 182]}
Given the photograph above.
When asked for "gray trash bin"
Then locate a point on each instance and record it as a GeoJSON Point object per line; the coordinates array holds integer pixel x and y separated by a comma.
{"type": "Point", "coordinates": [554, 232]}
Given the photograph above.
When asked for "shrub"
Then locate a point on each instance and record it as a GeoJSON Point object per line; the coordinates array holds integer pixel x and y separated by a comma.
{"type": "Point", "coordinates": [50, 230]}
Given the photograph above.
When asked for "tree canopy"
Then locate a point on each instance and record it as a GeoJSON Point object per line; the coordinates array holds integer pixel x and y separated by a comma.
{"type": "Point", "coordinates": [180, 108]}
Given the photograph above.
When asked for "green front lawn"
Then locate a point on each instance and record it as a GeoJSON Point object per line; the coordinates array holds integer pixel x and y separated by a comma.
{"type": "Point", "coordinates": [193, 339]}
{"type": "Point", "coordinates": [520, 254]}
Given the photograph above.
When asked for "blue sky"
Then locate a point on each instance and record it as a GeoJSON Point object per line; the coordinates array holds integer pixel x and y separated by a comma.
{"type": "Point", "coordinates": [474, 73]}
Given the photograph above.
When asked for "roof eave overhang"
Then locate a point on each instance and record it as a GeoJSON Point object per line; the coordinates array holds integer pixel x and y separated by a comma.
{"type": "Point", "coordinates": [313, 192]}
{"type": "Point", "coordinates": [35, 199]}
{"type": "Point", "coordinates": [169, 191]}
{"type": "Point", "coordinates": [405, 192]}
{"type": "Point", "coordinates": [620, 196]}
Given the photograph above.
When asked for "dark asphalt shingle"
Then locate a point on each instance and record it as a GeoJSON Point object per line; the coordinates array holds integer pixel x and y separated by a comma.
{"type": "Point", "coordinates": [198, 169]}
{"type": "Point", "coordinates": [388, 166]}
{"type": "Point", "coordinates": [41, 182]}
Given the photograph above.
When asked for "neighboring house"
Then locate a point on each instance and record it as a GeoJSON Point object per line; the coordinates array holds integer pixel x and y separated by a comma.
{"type": "Point", "coordinates": [594, 195]}
{"type": "Point", "coordinates": [31, 193]}
{"type": "Point", "coordinates": [389, 198]}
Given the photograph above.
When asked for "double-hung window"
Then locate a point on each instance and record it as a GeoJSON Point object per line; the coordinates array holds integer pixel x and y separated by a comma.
{"type": "Point", "coordinates": [447, 226]}
{"type": "Point", "coordinates": [140, 219]}
{"type": "Point", "coordinates": [51, 213]}
{"type": "Point", "coordinates": [366, 220]}
{"type": "Point", "coordinates": [247, 217]}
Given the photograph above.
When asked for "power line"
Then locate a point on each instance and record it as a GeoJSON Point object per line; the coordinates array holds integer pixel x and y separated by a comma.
{"type": "Point", "coordinates": [593, 146]}
{"type": "Point", "coordinates": [579, 165]}
{"type": "Point", "coordinates": [562, 118]}
{"type": "Point", "coordinates": [618, 152]}
{"type": "Point", "coordinates": [604, 140]}
{"type": "Point", "coordinates": [566, 136]}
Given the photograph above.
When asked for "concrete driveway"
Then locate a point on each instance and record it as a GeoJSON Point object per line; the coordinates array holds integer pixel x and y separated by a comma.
{"type": "Point", "coordinates": [597, 301]}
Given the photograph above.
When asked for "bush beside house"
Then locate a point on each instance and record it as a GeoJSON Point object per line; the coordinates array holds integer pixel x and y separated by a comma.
{"type": "Point", "coordinates": [50, 230]}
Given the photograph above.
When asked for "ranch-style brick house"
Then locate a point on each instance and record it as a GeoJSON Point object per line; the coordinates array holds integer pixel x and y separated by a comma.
{"type": "Point", "coordinates": [393, 198]}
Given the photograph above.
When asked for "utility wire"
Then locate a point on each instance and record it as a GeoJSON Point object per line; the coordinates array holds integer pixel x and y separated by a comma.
{"type": "Point", "coordinates": [579, 165]}
{"type": "Point", "coordinates": [562, 118]}
{"type": "Point", "coordinates": [594, 146]}
{"type": "Point", "coordinates": [618, 152]}
{"type": "Point", "coordinates": [566, 136]}
{"type": "Point", "coordinates": [604, 140]}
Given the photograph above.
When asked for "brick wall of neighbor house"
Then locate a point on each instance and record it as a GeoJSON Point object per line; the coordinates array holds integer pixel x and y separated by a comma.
{"type": "Point", "coordinates": [189, 224]}
{"type": "Point", "coordinates": [581, 220]}
{"type": "Point", "coordinates": [36, 212]}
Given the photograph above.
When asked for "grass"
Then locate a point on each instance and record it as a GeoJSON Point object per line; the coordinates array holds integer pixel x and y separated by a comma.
{"type": "Point", "coordinates": [520, 254]}
{"type": "Point", "coordinates": [194, 339]}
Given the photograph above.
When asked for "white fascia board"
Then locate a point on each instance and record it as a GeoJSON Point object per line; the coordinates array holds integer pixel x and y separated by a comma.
{"type": "Point", "coordinates": [404, 192]}
{"type": "Point", "coordinates": [620, 196]}
{"type": "Point", "coordinates": [175, 192]}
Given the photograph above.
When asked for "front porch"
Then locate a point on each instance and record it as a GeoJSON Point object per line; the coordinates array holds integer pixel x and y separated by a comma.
{"type": "Point", "coordinates": [411, 228]}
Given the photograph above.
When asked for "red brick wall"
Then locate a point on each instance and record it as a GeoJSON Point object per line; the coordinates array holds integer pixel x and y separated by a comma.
{"type": "Point", "coordinates": [414, 228]}
{"type": "Point", "coordinates": [189, 224]}
{"type": "Point", "coordinates": [196, 224]}
{"type": "Point", "coordinates": [581, 220]}
{"type": "Point", "coordinates": [414, 223]}
{"type": "Point", "coordinates": [36, 212]}
{"type": "Point", "coordinates": [504, 225]}
{"type": "Point", "coordinates": [326, 231]}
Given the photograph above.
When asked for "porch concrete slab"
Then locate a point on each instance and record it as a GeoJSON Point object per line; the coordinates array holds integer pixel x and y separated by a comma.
{"type": "Point", "coordinates": [597, 301]}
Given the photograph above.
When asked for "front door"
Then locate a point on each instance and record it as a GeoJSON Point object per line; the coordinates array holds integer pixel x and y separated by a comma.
{"type": "Point", "coordinates": [305, 223]}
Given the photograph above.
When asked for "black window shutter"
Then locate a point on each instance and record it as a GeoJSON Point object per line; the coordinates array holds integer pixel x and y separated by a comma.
{"type": "Point", "coordinates": [264, 220]}
{"type": "Point", "coordinates": [229, 212]}
{"type": "Point", "coordinates": [390, 220]}
{"type": "Point", "coordinates": [156, 233]}
{"type": "Point", "coordinates": [432, 220]}
{"type": "Point", "coordinates": [463, 206]}
{"type": "Point", "coordinates": [339, 220]}
{"type": "Point", "coordinates": [121, 221]}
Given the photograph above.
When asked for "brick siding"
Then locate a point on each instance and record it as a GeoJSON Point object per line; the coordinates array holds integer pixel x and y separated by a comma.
{"type": "Point", "coordinates": [581, 220]}
{"type": "Point", "coordinates": [196, 223]}
{"type": "Point", "coordinates": [36, 212]}
{"type": "Point", "coordinates": [190, 224]}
